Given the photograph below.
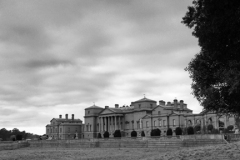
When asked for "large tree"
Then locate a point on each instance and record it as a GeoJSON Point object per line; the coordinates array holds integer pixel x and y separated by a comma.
{"type": "Point", "coordinates": [215, 70]}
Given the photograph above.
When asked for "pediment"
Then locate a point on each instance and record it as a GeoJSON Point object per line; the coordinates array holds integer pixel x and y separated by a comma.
{"type": "Point", "coordinates": [106, 111]}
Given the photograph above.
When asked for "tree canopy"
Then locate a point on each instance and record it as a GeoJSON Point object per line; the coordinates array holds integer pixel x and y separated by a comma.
{"type": "Point", "coordinates": [215, 70]}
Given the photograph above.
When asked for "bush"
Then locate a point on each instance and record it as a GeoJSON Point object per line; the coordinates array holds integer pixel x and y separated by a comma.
{"type": "Point", "coordinates": [197, 128]}
{"type": "Point", "coordinates": [190, 130]}
{"type": "Point", "coordinates": [156, 132]}
{"type": "Point", "coordinates": [169, 132]}
{"type": "Point", "coordinates": [106, 134]}
{"type": "Point", "coordinates": [117, 133]}
{"type": "Point", "coordinates": [99, 135]}
{"type": "Point", "coordinates": [142, 134]}
{"type": "Point", "coordinates": [230, 128]}
{"type": "Point", "coordinates": [178, 131]}
{"type": "Point", "coordinates": [210, 127]}
{"type": "Point", "coordinates": [133, 134]}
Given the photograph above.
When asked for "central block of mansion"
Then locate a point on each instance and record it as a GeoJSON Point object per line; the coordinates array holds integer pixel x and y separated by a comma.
{"type": "Point", "coordinates": [142, 115]}
{"type": "Point", "coordinates": [145, 115]}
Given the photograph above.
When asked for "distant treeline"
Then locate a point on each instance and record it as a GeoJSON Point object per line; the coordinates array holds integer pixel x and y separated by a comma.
{"type": "Point", "coordinates": [15, 134]}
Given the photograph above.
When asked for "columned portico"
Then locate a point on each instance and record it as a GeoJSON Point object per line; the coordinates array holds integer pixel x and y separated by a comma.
{"type": "Point", "coordinates": [111, 122]}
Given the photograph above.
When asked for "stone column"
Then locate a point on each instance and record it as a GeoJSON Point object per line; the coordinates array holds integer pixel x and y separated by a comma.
{"type": "Point", "coordinates": [99, 124]}
{"type": "Point", "coordinates": [115, 121]}
{"type": "Point", "coordinates": [123, 121]}
{"type": "Point", "coordinates": [104, 124]}
{"type": "Point", "coordinates": [119, 122]}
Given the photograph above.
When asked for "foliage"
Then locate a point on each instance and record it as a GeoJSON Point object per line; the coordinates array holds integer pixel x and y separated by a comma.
{"type": "Point", "coordinates": [117, 133]}
{"type": "Point", "coordinates": [230, 127]}
{"type": "Point", "coordinates": [106, 134]}
{"type": "Point", "coordinates": [142, 134]}
{"type": "Point", "coordinates": [156, 132]}
{"type": "Point", "coordinates": [190, 130]}
{"type": "Point", "coordinates": [19, 137]}
{"type": "Point", "coordinates": [169, 132]}
{"type": "Point", "coordinates": [210, 127]}
{"type": "Point", "coordinates": [197, 128]}
{"type": "Point", "coordinates": [215, 71]}
{"type": "Point", "coordinates": [133, 134]}
{"type": "Point", "coordinates": [6, 134]}
{"type": "Point", "coordinates": [99, 135]}
{"type": "Point", "coordinates": [178, 131]}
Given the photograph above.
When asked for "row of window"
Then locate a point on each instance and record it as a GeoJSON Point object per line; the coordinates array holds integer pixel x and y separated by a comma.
{"type": "Point", "coordinates": [60, 130]}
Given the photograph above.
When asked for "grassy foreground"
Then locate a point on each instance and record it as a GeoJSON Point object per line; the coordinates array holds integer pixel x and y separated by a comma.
{"type": "Point", "coordinates": [219, 152]}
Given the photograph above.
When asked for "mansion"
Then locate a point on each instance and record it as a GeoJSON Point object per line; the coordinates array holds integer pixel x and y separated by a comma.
{"type": "Point", "coordinates": [142, 115]}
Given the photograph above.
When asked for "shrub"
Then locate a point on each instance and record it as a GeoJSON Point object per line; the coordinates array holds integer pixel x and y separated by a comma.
{"type": "Point", "coordinates": [190, 130]}
{"type": "Point", "coordinates": [178, 131]}
{"type": "Point", "coordinates": [210, 127]}
{"type": "Point", "coordinates": [106, 134]}
{"type": "Point", "coordinates": [117, 133]}
{"type": "Point", "coordinates": [197, 128]}
{"type": "Point", "coordinates": [158, 132]}
{"type": "Point", "coordinates": [230, 127]}
{"type": "Point", "coordinates": [169, 132]}
{"type": "Point", "coordinates": [142, 134]}
{"type": "Point", "coordinates": [99, 135]}
{"type": "Point", "coordinates": [153, 132]}
{"type": "Point", "coordinates": [133, 134]}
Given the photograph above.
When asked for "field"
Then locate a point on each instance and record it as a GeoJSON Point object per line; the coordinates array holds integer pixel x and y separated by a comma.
{"type": "Point", "coordinates": [219, 152]}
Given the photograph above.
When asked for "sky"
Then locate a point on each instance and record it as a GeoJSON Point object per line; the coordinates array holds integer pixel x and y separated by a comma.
{"type": "Point", "coordinates": [61, 56]}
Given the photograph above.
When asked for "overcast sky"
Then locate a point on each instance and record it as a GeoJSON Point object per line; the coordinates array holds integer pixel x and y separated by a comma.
{"type": "Point", "coordinates": [59, 57]}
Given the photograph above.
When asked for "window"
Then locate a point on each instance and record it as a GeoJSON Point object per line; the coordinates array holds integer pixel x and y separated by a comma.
{"type": "Point", "coordinates": [154, 123]}
{"type": "Point", "coordinates": [159, 112]}
{"type": "Point", "coordinates": [88, 112]}
{"type": "Point", "coordinates": [51, 131]}
{"type": "Point", "coordinates": [47, 130]}
{"type": "Point", "coordinates": [56, 130]}
{"type": "Point", "coordinates": [60, 130]}
{"type": "Point", "coordinates": [139, 106]}
{"type": "Point", "coordinates": [185, 122]}
{"type": "Point", "coordinates": [151, 105]}
{"type": "Point", "coordinates": [68, 129]}
{"type": "Point", "coordinates": [160, 123]}
{"type": "Point", "coordinates": [90, 128]}
{"type": "Point", "coordinates": [174, 123]}
{"type": "Point", "coordinates": [164, 123]}
{"type": "Point", "coordinates": [146, 123]}
{"type": "Point", "coordinates": [138, 125]}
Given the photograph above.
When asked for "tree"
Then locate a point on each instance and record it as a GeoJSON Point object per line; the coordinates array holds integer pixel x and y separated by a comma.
{"type": "Point", "coordinates": [117, 133]}
{"type": "Point", "coordinates": [106, 134]}
{"type": "Point", "coordinates": [178, 131]}
{"type": "Point", "coordinates": [215, 70]}
{"type": "Point", "coordinates": [169, 132]}
{"type": "Point", "coordinates": [133, 134]}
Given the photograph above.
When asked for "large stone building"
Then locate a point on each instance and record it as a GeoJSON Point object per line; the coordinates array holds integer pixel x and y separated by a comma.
{"type": "Point", "coordinates": [65, 128]}
{"type": "Point", "coordinates": [145, 115]}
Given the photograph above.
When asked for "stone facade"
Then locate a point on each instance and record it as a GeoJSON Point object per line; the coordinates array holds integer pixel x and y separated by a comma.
{"type": "Point", "coordinates": [64, 128]}
{"type": "Point", "coordinates": [145, 115]}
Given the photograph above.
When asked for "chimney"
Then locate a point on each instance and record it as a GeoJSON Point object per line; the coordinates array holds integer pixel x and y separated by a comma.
{"type": "Point", "coordinates": [106, 107]}
{"type": "Point", "coordinates": [72, 116]}
{"type": "Point", "coordinates": [66, 116]}
{"type": "Point", "coordinates": [116, 106]}
{"type": "Point", "coordinates": [181, 104]}
{"type": "Point", "coordinates": [60, 116]}
{"type": "Point", "coordinates": [184, 106]}
{"type": "Point", "coordinates": [168, 103]}
{"type": "Point", "coordinates": [162, 103]}
{"type": "Point", "coordinates": [175, 102]}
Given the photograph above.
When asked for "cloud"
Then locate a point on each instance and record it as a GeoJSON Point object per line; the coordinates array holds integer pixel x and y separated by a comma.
{"type": "Point", "coordinates": [61, 56]}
